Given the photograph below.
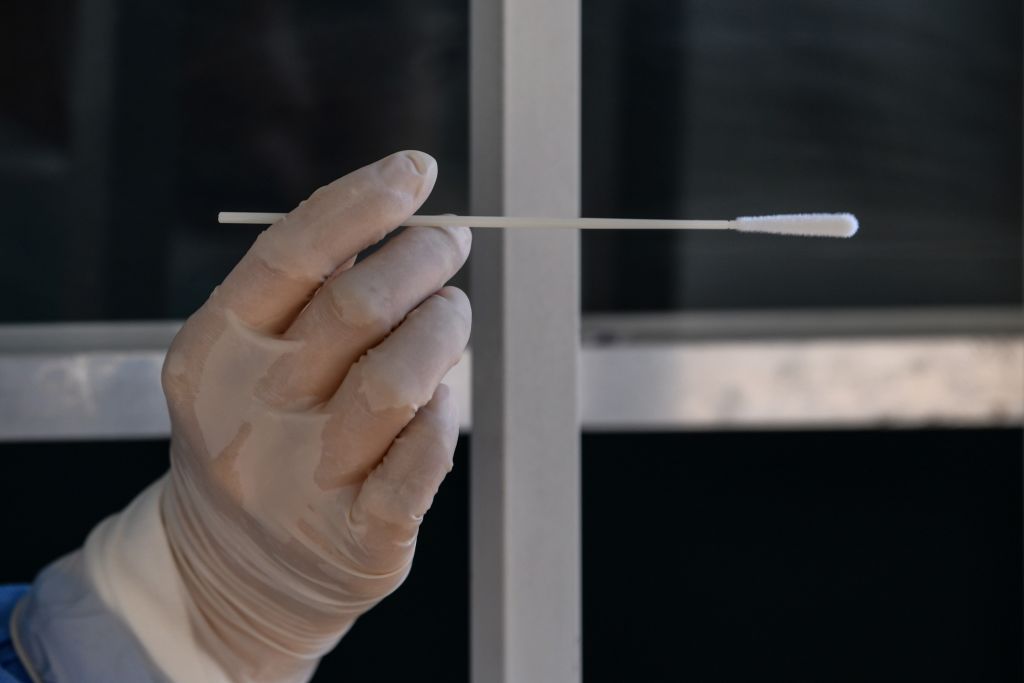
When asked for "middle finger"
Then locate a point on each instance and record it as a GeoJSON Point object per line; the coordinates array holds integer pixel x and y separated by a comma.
{"type": "Point", "coordinates": [356, 309]}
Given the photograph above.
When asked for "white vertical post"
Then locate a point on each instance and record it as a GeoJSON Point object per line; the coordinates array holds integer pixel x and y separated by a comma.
{"type": "Point", "coordinates": [525, 478]}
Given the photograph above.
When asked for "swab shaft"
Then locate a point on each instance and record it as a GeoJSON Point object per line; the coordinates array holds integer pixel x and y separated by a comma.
{"type": "Point", "coordinates": [803, 224]}
{"type": "Point", "coordinates": [517, 222]}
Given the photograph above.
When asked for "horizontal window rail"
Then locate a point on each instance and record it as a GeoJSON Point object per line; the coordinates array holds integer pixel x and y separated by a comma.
{"type": "Point", "coordinates": [82, 381]}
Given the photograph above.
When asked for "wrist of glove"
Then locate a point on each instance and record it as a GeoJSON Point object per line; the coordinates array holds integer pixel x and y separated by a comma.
{"type": "Point", "coordinates": [273, 591]}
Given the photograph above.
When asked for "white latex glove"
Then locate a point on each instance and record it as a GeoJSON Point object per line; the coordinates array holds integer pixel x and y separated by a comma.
{"type": "Point", "coordinates": [310, 430]}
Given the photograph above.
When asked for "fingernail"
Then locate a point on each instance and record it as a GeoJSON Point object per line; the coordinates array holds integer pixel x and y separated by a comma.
{"type": "Point", "coordinates": [421, 161]}
{"type": "Point", "coordinates": [462, 234]}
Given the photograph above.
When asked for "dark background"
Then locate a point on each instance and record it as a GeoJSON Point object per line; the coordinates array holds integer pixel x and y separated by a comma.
{"type": "Point", "coordinates": [847, 556]}
{"type": "Point", "coordinates": [125, 127]}
{"type": "Point", "coordinates": [805, 556]}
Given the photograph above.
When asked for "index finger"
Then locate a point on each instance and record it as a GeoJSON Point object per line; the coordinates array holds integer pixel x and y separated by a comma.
{"type": "Point", "coordinates": [292, 258]}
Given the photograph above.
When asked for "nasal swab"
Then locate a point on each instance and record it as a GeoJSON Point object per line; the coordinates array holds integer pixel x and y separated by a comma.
{"type": "Point", "coordinates": [805, 224]}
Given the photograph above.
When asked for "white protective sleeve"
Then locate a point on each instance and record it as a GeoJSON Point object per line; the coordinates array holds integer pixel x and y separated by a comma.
{"type": "Point", "coordinates": [310, 432]}
{"type": "Point", "coordinates": [115, 610]}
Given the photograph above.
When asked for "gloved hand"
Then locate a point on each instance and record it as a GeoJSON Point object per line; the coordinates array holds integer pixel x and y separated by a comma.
{"type": "Point", "coordinates": [309, 435]}
{"type": "Point", "coordinates": [310, 430]}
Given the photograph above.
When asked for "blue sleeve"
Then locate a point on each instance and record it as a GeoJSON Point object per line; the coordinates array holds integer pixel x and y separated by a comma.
{"type": "Point", "coordinates": [66, 634]}
{"type": "Point", "coordinates": [11, 669]}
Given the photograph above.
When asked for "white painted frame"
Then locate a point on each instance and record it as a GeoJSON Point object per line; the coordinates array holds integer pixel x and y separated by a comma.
{"type": "Point", "coordinates": [525, 457]}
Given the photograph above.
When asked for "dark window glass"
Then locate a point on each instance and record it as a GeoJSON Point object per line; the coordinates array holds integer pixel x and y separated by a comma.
{"type": "Point", "coordinates": [868, 556]}
{"type": "Point", "coordinates": [420, 632]}
{"type": "Point", "coordinates": [883, 556]}
{"type": "Point", "coordinates": [126, 126]}
{"type": "Point", "coordinates": [905, 113]}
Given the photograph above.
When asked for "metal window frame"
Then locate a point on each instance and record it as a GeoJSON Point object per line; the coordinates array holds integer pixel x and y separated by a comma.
{"type": "Point", "coordinates": [800, 370]}
{"type": "Point", "coordinates": [525, 614]}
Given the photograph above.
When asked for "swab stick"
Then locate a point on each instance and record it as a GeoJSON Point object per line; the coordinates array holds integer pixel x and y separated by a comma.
{"type": "Point", "coordinates": [804, 224]}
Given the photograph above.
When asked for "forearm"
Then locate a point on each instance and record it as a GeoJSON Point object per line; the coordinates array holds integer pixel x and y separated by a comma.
{"type": "Point", "coordinates": [115, 610]}
{"type": "Point", "coordinates": [133, 605]}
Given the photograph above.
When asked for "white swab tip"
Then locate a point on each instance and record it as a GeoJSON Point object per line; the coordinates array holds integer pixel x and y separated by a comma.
{"type": "Point", "coordinates": [805, 224]}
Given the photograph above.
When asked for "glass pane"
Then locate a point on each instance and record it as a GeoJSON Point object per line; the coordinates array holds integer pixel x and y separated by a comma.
{"type": "Point", "coordinates": [830, 556]}
{"type": "Point", "coordinates": [907, 114]}
{"type": "Point", "coordinates": [425, 623]}
{"type": "Point", "coordinates": [125, 127]}
{"type": "Point", "coordinates": [123, 132]}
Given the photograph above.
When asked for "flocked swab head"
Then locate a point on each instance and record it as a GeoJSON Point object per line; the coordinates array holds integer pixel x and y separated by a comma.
{"type": "Point", "coordinates": [805, 224]}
